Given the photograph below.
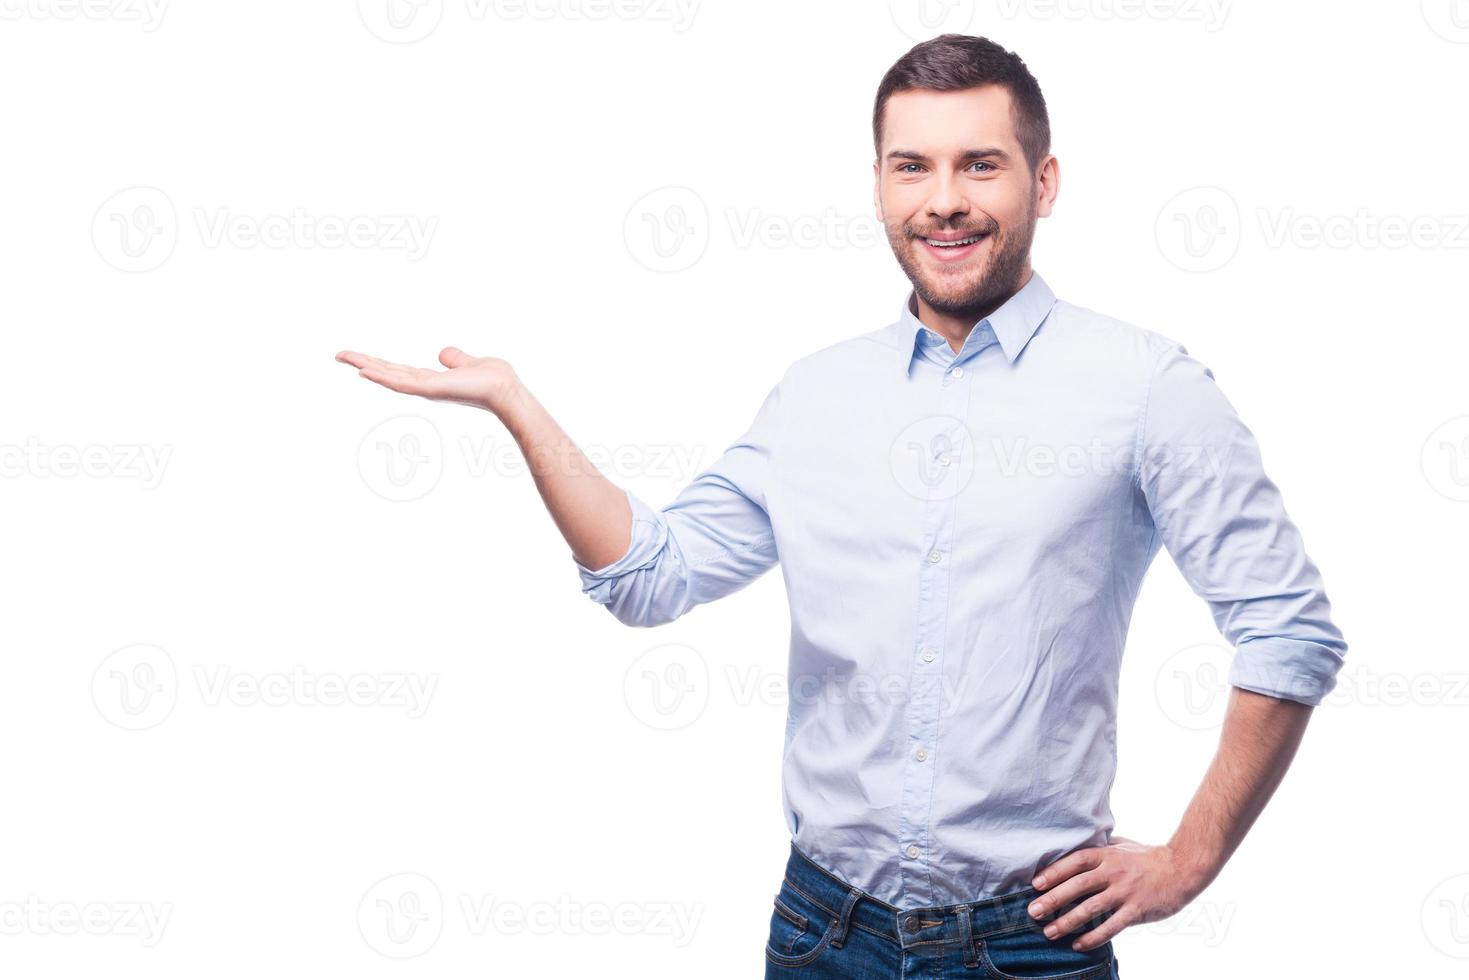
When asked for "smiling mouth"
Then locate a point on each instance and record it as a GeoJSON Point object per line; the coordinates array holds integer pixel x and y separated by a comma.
{"type": "Point", "coordinates": [954, 250]}
{"type": "Point", "coordinates": [957, 243]}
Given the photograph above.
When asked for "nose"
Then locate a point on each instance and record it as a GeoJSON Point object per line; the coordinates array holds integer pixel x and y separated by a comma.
{"type": "Point", "coordinates": [947, 199]}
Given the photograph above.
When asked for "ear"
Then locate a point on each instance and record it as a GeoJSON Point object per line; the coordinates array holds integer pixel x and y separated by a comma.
{"type": "Point", "coordinates": [877, 191]}
{"type": "Point", "coordinates": [1047, 185]}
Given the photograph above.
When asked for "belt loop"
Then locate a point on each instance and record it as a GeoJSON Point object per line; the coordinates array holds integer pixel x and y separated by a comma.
{"type": "Point", "coordinates": [966, 936]}
{"type": "Point", "coordinates": [844, 918]}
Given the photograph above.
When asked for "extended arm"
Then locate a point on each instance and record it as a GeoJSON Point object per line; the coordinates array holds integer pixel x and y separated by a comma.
{"type": "Point", "coordinates": [646, 567]}
{"type": "Point", "coordinates": [592, 512]}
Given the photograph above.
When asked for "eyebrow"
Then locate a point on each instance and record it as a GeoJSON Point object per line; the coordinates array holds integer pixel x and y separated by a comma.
{"type": "Point", "coordinates": [978, 153]}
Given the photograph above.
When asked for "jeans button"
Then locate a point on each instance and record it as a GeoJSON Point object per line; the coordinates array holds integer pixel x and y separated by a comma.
{"type": "Point", "coordinates": [911, 923]}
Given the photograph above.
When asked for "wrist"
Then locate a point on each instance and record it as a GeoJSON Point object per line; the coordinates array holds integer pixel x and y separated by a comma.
{"type": "Point", "coordinates": [506, 399]}
{"type": "Point", "coordinates": [1196, 866]}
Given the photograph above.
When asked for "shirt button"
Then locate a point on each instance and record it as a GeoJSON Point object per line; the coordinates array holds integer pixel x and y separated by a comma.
{"type": "Point", "coordinates": [921, 754]}
{"type": "Point", "coordinates": [912, 850]}
{"type": "Point", "coordinates": [934, 556]}
{"type": "Point", "coordinates": [958, 372]}
{"type": "Point", "coordinates": [928, 656]}
{"type": "Point", "coordinates": [944, 460]}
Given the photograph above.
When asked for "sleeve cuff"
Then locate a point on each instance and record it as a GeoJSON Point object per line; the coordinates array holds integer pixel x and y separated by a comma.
{"type": "Point", "coordinates": [649, 534]}
{"type": "Point", "coordinates": [1297, 670]}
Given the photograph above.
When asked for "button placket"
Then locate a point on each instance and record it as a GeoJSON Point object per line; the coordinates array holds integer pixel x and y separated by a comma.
{"type": "Point", "coordinates": [926, 670]}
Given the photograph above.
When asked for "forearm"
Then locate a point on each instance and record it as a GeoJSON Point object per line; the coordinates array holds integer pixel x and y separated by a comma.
{"type": "Point", "coordinates": [591, 511]}
{"type": "Point", "coordinates": [1259, 740]}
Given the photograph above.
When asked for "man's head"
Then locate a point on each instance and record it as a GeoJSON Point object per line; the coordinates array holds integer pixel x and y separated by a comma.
{"type": "Point", "coordinates": [963, 149]}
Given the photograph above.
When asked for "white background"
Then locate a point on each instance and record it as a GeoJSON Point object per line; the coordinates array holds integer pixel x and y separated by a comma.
{"type": "Point", "coordinates": [267, 540]}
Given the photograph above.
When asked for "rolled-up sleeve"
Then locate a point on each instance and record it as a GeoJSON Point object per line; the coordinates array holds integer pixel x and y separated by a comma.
{"type": "Point", "coordinates": [712, 540]}
{"type": "Point", "coordinates": [1225, 525]}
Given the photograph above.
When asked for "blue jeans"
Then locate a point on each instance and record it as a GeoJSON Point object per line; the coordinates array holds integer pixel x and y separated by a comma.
{"type": "Point", "coordinates": [823, 927]}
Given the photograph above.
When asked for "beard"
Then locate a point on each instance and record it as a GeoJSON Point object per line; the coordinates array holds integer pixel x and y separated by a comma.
{"type": "Point", "coordinates": [987, 286]}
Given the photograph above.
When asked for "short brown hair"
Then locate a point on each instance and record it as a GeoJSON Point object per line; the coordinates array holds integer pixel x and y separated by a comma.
{"type": "Point", "coordinates": [954, 62]}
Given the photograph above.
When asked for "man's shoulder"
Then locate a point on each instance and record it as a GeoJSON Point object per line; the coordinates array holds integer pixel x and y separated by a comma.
{"type": "Point", "coordinates": [1099, 334]}
{"type": "Point", "coordinates": [844, 356]}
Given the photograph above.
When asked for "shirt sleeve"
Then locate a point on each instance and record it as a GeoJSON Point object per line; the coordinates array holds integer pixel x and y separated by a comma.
{"type": "Point", "coordinates": [1224, 523]}
{"type": "Point", "coordinates": [712, 540]}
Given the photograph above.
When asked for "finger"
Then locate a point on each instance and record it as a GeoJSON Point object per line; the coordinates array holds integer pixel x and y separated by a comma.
{"type": "Point", "coordinates": [357, 360]}
{"type": "Point", "coordinates": [453, 357]}
{"type": "Point", "coordinates": [1072, 864]}
{"type": "Point", "coordinates": [1084, 914]}
{"type": "Point", "coordinates": [402, 371]}
{"type": "Point", "coordinates": [396, 380]}
{"type": "Point", "coordinates": [1064, 893]}
{"type": "Point", "coordinates": [1103, 933]}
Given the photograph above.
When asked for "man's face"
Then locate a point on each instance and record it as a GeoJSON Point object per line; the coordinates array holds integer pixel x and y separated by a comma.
{"type": "Point", "coordinates": [952, 169]}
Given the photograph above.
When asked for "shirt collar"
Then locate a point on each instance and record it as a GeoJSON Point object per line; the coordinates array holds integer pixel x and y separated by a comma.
{"type": "Point", "coordinates": [1014, 323]}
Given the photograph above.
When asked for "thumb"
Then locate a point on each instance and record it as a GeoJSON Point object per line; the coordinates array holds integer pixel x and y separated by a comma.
{"type": "Point", "coordinates": [453, 357]}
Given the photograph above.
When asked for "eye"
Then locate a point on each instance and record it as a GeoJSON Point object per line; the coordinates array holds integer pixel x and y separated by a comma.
{"type": "Point", "coordinates": [981, 163]}
{"type": "Point", "coordinates": [903, 169]}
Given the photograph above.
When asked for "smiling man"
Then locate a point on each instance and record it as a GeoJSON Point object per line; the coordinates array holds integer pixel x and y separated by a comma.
{"type": "Point", "coordinates": [964, 503]}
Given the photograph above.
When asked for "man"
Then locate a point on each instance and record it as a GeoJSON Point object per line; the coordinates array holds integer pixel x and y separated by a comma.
{"type": "Point", "coordinates": [964, 503]}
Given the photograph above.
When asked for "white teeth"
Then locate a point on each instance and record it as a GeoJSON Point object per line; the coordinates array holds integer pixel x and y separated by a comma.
{"type": "Point", "coordinates": [962, 241]}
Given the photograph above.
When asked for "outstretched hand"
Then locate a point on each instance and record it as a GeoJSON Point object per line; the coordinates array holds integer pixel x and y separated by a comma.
{"type": "Point", "coordinates": [482, 382]}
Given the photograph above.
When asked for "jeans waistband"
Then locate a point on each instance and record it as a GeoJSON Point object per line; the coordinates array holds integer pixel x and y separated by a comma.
{"type": "Point", "coordinates": [962, 923]}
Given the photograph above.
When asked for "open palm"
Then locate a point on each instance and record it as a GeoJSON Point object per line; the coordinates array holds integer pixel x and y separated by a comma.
{"type": "Point", "coordinates": [477, 381]}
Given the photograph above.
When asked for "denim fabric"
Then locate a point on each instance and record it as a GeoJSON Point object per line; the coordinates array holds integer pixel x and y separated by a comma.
{"type": "Point", "coordinates": [822, 926]}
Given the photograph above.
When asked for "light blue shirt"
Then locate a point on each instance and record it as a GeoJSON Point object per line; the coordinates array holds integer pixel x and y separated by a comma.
{"type": "Point", "coordinates": [963, 537]}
